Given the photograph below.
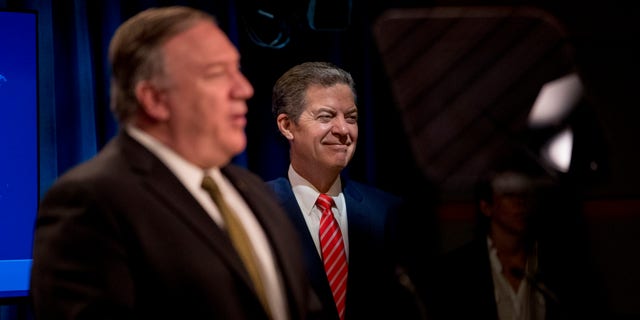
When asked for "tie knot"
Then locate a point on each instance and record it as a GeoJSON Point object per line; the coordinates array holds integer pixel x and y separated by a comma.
{"type": "Point", "coordinates": [210, 185]}
{"type": "Point", "coordinates": [324, 202]}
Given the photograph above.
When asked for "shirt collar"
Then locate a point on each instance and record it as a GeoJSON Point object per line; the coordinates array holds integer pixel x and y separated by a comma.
{"type": "Point", "coordinates": [307, 194]}
{"type": "Point", "coordinates": [189, 174]}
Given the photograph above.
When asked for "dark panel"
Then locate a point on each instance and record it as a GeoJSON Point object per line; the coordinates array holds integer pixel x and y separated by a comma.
{"type": "Point", "coordinates": [465, 79]}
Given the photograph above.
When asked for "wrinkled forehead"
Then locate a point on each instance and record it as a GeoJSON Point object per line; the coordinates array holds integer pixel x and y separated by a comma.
{"type": "Point", "coordinates": [512, 182]}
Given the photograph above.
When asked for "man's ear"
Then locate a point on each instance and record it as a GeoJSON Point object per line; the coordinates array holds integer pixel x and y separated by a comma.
{"type": "Point", "coordinates": [485, 208]}
{"type": "Point", "coordinates": [284, 125]}
{"type": "Point", "coordinates": [152, 100]}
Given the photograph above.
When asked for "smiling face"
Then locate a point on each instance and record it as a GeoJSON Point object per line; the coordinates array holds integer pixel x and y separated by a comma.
{"type": "Point", "coordinates": [324, 138]}
{"type": "Point", "coordinates": [200, 105]}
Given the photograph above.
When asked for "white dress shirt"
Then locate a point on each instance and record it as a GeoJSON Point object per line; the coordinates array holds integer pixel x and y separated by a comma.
{"type": "Point", "coordinates": [306, 195]}
{"type": "Point", "coordinates": [527, 303]}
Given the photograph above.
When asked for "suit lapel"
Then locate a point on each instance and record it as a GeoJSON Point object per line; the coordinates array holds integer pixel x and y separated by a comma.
{"type": "Point", "coordinates": [270, 216]}
{"type": "Point", "coordinates": [357, 219]}
{"type": "Point", "coordinates": [313, 262]}
{"type": "Point", "coordinates": [359, 229]}
{"type": "Point", "coordinates": [170, 191]}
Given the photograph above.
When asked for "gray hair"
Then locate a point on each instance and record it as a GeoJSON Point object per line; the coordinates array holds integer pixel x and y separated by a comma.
{"type": "Point", "coordinates": [135, 52]}
{"type": "Point", "coordinates": [290, 89]}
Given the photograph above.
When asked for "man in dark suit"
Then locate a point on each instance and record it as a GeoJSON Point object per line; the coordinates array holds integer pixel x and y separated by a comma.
{"type": "Point", "coordinates": [134, 233]}
{"type": "Point", "coordinates": [314, 105]}
{"type": "Point", "coordinates": [525, 261]}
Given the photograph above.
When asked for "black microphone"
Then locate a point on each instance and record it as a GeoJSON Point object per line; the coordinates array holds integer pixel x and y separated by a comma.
{"type": "Point", "coordinates": [405, 281]}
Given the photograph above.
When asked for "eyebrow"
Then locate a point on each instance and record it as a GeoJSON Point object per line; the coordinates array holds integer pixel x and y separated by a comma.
{"type": "Point", "coordinates": [352, 110]}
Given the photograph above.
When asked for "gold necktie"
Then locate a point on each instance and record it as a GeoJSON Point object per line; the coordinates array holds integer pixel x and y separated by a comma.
{"type": "Point", "coordinates": [239, 238]}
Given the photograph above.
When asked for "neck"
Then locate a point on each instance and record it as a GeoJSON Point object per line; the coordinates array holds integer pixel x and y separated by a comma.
{"type": "Point", "coordinates": [322, 180]}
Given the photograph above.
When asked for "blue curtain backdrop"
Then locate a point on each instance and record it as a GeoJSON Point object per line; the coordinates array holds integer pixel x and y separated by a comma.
{"type": "Point", "coordinates": [74, 116]}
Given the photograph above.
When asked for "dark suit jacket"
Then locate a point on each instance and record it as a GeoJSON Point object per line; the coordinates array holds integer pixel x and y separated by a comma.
{"type": "Point", "coordinates": [119, 237]}
{"type": "Point", "coordinates": [371, 284]}
{"type": "Point", "coordinates": [462, 286]}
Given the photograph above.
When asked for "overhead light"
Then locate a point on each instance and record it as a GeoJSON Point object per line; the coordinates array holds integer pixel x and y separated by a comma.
{"type": "Point", "coordinates": [558, 150]}
{"type": "Point", "coordinates": [555, 101]}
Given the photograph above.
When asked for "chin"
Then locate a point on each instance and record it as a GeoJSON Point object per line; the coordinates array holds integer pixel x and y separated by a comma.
{"type": "Point", "coordinates": [239, 149]}
{"type": "Point", "coordinates": [343, 161]}
{"type": "Point", "coordinates": [339, 165]}
{"type": "Point", "coordinates": [236, 146]}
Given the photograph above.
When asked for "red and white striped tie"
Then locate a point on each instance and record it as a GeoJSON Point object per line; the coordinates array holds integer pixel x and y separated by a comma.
{"type": "Point", "coordinates": [333, 253]}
